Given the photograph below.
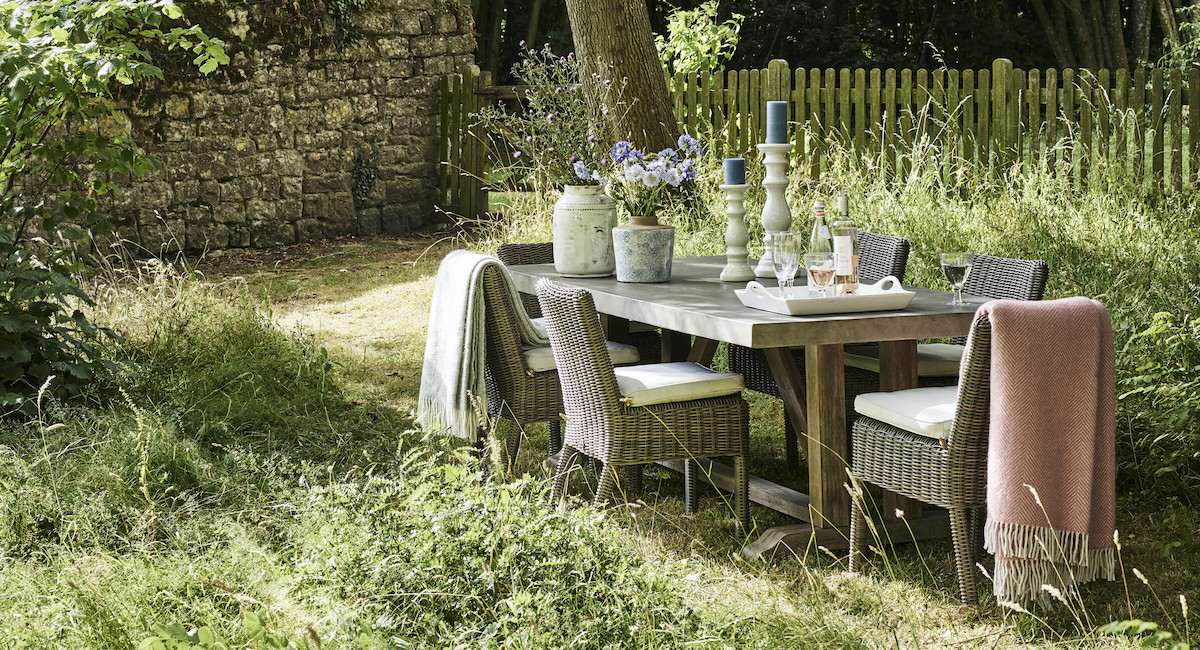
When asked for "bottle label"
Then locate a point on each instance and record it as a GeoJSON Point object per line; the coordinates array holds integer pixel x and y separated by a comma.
{"type": "Point", "coordinates": [843, 253]}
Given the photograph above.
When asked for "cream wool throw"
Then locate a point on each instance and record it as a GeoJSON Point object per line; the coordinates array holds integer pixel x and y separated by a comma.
{"type": "Point", "coordinates": [1052, 432]}
{"type": "Point", "coordinates": [453, 395]}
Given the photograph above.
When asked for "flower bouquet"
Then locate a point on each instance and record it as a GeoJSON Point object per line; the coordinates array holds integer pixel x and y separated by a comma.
{"type": "Point", "coordinates": [643, 184]}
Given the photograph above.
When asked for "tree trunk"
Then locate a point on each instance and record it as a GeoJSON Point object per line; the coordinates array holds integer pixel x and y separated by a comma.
{"type": "Point", "coordinates": [617, 33]}
{"type": "Point", "coordinates": [1170, 27]}
{"type": "Point", "coordinates": [531, 32]}
{"type": "Point", "coordinates": [1059, 43]}
{"type": "Point", "coordinates": [1085, 47]}
{"type": "Point", "coordinates": [1139, 18]}
{"type": "Point", "coordinates": [1116, 33]}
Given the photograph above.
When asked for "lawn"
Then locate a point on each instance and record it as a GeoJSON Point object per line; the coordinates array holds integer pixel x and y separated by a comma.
{"type": "Point", "coordinates": [254, 473]}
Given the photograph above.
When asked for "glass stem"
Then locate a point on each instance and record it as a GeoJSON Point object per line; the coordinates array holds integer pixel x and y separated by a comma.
{"type": "Point", "coordinates": [958, 295]}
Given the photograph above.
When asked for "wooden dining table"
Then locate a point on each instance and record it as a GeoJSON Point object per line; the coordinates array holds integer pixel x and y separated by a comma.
{"type": "Point", "coordinates": [696, 310]}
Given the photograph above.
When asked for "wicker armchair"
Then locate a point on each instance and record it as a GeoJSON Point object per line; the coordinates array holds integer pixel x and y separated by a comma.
{"type": "Point", "coordinates": [949, 471]}
{"type": "Point", "coordinates": [999, 278]}
{"type": "Point", "coordinates": [604, 423]}
{"type": "Point", "coordinates": [879, 256]}
{"type": "Point", "coordinates": [646, 339]}
{"type": "Point", "coordinates": [515, 392]}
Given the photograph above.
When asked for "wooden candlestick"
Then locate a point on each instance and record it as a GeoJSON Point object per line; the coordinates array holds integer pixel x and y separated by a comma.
{"type": "Point", "coordinates": [776, 217]}
{"type": "Point", "coordinates": [737, 269]}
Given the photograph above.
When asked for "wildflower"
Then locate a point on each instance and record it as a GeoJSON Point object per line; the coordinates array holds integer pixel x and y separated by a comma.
{"type": "Point", "coordinates": [620, 151]}
{"type": "Point", "coordinates": [582, 171]}
{"type": "Point", "coordinates": [516, 154]}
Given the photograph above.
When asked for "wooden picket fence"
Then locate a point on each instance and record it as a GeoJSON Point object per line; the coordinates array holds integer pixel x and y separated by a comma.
{"type": "Point", "coordinates": [1107, 126]}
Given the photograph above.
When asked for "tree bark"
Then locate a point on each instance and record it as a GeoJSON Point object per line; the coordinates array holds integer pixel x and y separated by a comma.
{"type": "Point", "coordinates": [1059, 43]}
{"type": "Point", "coordinates": [1170, 27]}
{"type": "Point", "coordinates": [1139, 18]}
{"type": "Point", "coordinates": [1085, 47]}
{"type": "Point", "coordinates": [617, 33]}
{"type": "Point", "coordinates": [531, 32]}
{"type": "Point", "coordinates": [1116, 33]}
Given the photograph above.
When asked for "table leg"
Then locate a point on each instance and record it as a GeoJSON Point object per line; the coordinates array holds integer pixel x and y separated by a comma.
{"type": "Point", "coordinates": [791, 386]}
{"type": "Point", "coordinates": [676, 346]}
{"type": "Point", "coordinates": [703, 350]}
{"type": "Point", "coordinates": [898, 371]}
{"type": "Point", "coordinates": [828, 444]}
{"type": "Point", "coordinates": [615, 329]}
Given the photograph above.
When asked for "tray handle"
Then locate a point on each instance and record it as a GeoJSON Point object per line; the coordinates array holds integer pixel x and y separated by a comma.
{"type": "Point", "coordinates": [888, 284]}
{"type": "Point", "coordinates": [757, 290]}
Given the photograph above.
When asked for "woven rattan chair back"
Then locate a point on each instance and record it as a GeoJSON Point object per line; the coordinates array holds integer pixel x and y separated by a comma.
{"type": "Point", "coordinates": [505, 366]}
{"type": "Point", "coordinates": [1005, 278]}
{"type": "Point", "coordinates": [880, 256]}
{"type": "Point", "coordinates": [967, 442]}
{"type": "Point", "coordinates": [539, 253]}
{"type": "Point", "coordinates": [590, 393]}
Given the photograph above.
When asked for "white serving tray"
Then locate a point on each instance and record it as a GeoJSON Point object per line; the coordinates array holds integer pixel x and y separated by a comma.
{"type": "Point", "coordinates": [887, 294]}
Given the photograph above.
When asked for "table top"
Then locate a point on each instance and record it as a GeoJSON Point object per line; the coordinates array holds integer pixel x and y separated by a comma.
{"type": "Point", "coordinates": [695, 301]}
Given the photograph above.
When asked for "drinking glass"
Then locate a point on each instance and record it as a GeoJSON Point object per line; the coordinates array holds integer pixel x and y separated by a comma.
{"type": "Point", "coordinates": [783, 257]}
{"type": "Point", "coordinates": [821, 268]}
{"type": "Point", "coordinates": [956, 266]}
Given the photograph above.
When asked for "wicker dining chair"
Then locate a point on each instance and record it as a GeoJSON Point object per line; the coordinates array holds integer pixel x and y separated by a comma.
{"type": "Point", "coordinates": [879, 256]}
{"type": "Point", "coordinates": [945, 466]}
{"type": "Point", "coordinates": [646, 339]}
{"type": "Point", "coordinates": [998, 278]}
{"type": "Point", "coordinates": [607, 423]}
{"type": "Point", "coordinates": [519, 390]}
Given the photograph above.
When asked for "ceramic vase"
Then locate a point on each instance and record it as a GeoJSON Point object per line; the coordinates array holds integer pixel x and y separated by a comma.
{"type": "Point", "coordinates": [644, 250]}
{"type": "Point", "coordinates": [584, 218]}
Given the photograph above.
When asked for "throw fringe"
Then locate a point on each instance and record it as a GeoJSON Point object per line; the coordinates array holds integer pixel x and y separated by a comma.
{"type": "Point", "coordinates": [437, 417]}
{"type": "Point", "coordinates": [1035, 542]}
{"type": "Point", "coordinates": [1036, 563]}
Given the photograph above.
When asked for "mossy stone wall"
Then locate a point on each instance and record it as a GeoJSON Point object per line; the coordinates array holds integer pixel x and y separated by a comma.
{"type": "Point", "coordinates": [324, 124]}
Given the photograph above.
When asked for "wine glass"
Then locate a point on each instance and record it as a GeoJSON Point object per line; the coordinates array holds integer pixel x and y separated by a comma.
{"type": "Point", "coordinates": [956, 266]}
{"type": "Point", "coordinates": [821, 268]}
{"type": "Point", "coordinates": [784, 260]}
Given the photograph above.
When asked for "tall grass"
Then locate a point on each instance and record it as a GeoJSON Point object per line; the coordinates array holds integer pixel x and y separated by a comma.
{"type": "Point", "coordinates": [1130, 247]}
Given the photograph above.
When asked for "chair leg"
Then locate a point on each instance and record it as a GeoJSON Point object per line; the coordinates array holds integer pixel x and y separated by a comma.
{"type": "Point", "coordinates": [556, 439]}
{"type": "Point", "coordinates": [633, 478]}
{"type": "Point", "coordinates": [791, 445]}
{"type": "Point", "coordinates": [691, 501]}
{"type": "Point", "coordinates": [858, 533]}
{"type": "Point", "coordinates": [963, 556]}
{"type": "Point", "coordinates": [978, 515]}
{"type": "Point", "coordinates": [512, 443]}
{"type": "Point", "coordinates": [570, 456]}
{"type": "Point", "coordinates": [741, 497]}
{"type": "Point", "coordinates": [608, 483]}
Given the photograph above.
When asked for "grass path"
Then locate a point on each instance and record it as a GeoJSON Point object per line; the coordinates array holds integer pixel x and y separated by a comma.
{"type": "Point", "coordinates": [367, 300]}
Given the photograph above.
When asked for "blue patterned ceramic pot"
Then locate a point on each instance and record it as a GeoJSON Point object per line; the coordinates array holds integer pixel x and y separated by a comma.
{"type": "Point", "coordinates": [644, 249]}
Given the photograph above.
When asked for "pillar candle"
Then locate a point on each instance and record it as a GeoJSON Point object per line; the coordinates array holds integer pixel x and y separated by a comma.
{"type": "Point", "coordinates": [735, 171]}
{"type": "Point", "coordinates": [777, 123]}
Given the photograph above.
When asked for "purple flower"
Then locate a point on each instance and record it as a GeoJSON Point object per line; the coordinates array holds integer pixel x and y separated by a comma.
{"type": "Point", "coordinates": [668, 155]}
{"type": "Point", "coordinates": [516, 154]}
{"type": "Point", "coordinates": [591, 138]}
{"type": "Point", "coordinates": [688, 169]}
{"type": "Point", "coordinates": [582, 171]}
{"type": "Point", "coordinates": [620, 151]}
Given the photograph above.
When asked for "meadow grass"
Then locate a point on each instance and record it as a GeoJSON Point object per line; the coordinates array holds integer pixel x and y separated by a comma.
{"type": "Point", "coordinates": [257, 462]}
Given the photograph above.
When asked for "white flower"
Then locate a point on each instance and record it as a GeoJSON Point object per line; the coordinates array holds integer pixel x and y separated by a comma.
{"type": "Point", "coordinates": [652, 178]}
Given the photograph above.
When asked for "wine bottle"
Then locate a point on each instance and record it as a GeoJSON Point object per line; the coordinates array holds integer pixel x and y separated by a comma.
{"type": "Point", "coordinates": [819, 241]}
{"type": "Point", "coordinates": [845, 248]}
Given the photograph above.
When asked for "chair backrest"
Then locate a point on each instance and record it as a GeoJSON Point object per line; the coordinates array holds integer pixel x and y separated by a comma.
{"type": "Point", "coordinates": [539, 253]}
{"type": "Point", "coordinates": [967, 444]}
{"type": "Point", "coordinates": [880, 256]}
{"type": "Point", "coordinates": [505, 365]}
{"type": "Point", "coordinates": [1005, 278]}
{"type": "Point", "coordinates": [589, 387]}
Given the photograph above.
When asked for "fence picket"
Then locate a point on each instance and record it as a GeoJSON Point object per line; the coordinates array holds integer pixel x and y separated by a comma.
{"type": "Point", "coordinates": [1145, 124]}
{"type": "Point", "coordinates": [1175, 125]}
{"type": "Point", "coordinates": [1155, 106]}
{"type": "Point", "coordinates": [1194, 125]}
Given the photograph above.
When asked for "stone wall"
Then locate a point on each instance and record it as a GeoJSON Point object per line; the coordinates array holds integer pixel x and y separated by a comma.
{"type": "Point", "coordinates": [321, 125]}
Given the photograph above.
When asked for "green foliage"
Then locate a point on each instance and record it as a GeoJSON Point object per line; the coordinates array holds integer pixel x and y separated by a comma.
{"type": "Point", "coordinates": [63, 145]}
{"type": "Point", "coordinates": [47, 343]}
{"type": "Point", "coordinates": [695, 42]}
{"type": "Point", "coordinates": [564, 115]}
{"type": "Point", "coordinates": [1184, 54]}
{"type": "Point", "coordinates": [1146, 632]}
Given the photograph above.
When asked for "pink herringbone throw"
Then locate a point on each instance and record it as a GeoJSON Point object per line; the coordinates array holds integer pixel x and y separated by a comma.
{"type": "Point", "coordinates": [1051, 495]}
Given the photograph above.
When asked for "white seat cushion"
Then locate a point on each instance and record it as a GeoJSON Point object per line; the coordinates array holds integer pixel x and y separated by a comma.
{"type": "Point", "coordinates": [658, 383]}
{"type": "Point", "coordinates": [539, 324]}
{"type": "Point", "coordinates": [540, 359]}
{"type": "Point", "coordinates": [925, 411]}
{"type": "Point", "coordinates": [933, 359]}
